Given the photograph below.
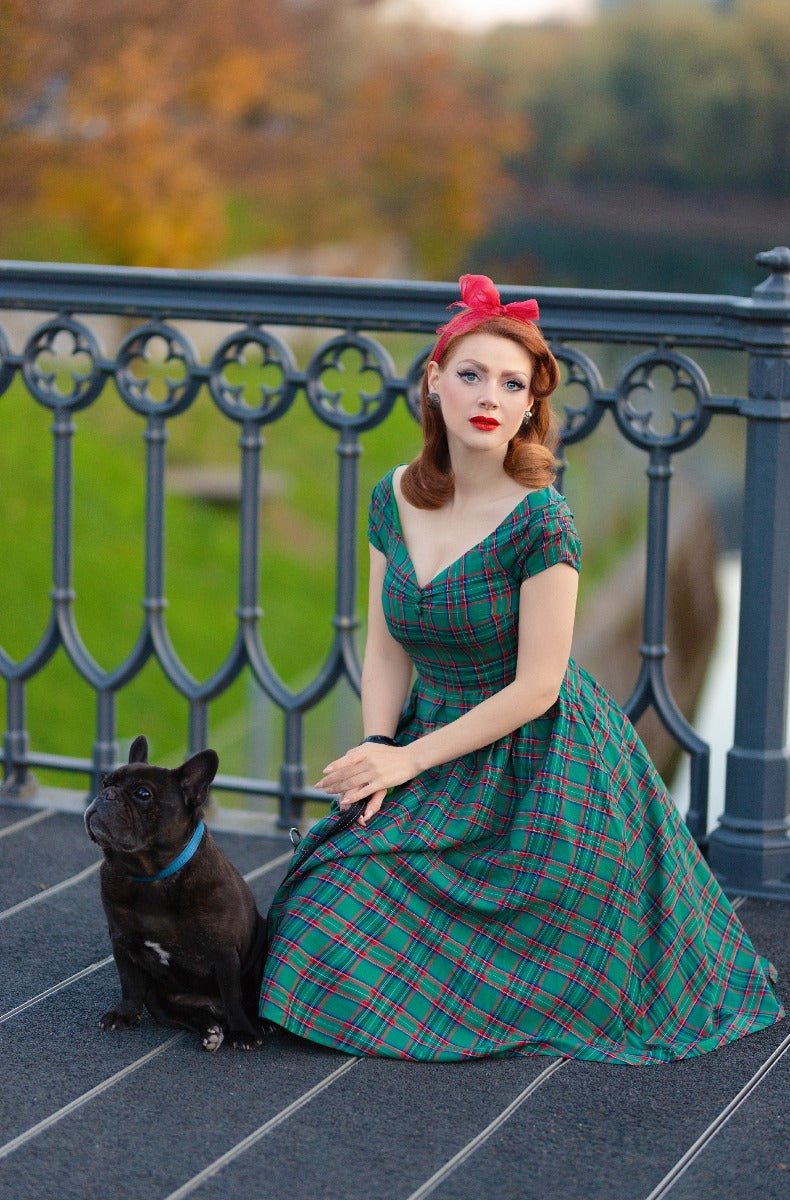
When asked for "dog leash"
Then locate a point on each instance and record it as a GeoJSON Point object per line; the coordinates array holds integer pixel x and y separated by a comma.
{"type": "Point", "coordinates": [347, 818]}
{"type": "Point", "coordinates": [344, 821]}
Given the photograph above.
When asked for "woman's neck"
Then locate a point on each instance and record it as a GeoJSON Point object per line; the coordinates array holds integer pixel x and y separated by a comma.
{"type": "Point", "coordinates": [477, 476]}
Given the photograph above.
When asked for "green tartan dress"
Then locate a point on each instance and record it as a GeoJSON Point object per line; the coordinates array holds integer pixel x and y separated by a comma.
{"type": "Point", "coordinates": [540, 895]}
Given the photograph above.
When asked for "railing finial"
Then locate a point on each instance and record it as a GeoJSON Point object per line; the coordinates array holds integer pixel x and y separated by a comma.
{"type": "Point", "coordinates": [777, 285]}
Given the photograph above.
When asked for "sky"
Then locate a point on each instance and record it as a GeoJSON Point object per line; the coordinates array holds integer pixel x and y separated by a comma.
{"type": "Point", "coordinates": [478, 14]}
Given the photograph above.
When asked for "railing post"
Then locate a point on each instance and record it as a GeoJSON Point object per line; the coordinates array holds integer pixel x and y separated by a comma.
{"type": "Point", "coordinates": [750, 849]}
{"type": "Point", "coordinates": [18, 782]}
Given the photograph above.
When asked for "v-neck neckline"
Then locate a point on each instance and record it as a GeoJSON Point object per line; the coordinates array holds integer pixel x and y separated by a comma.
{"type": "Point", "coordinates": [422, 587]}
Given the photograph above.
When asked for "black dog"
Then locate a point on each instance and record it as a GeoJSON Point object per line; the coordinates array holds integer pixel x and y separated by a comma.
{"type": "Point", "coordinates": [188, 940]}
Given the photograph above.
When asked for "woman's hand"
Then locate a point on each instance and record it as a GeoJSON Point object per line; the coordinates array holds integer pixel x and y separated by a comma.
{"type": "Point", "coordinates": [368, 771]}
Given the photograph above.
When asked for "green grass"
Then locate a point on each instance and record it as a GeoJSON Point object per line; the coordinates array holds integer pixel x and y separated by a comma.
{"type": "Point", "coordinates": [48, 239]}
{"type": "Point", "coordinates": [297, 577]}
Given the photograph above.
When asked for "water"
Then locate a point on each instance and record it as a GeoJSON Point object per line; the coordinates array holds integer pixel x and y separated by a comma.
{"type": "Point", "coordinates": [557, 254]}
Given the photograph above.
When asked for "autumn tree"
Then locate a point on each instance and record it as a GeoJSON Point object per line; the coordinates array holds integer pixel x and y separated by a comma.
{"type": "Point", "coordinates": [159, 130]}
{"type": "Point", "coordinates": [137, 111]}
{"type": "Point", "coordinates": [428, 138]}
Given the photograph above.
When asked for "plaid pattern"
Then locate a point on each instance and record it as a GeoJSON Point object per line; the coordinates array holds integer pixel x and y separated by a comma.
{"type": "Point", "coordinates": [540, 895]}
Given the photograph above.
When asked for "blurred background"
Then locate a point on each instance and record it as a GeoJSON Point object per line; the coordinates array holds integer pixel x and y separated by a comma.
{"type": "Point", "coordinates": [585, 143]}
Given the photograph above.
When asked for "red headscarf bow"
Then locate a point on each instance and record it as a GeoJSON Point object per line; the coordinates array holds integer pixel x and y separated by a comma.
{"type": "Point", "coordinates": [480, 301]}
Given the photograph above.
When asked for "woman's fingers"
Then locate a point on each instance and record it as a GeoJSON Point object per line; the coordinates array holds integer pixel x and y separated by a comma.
{"type": "Point", "coordinates": [367, 769]}
{"type": "Point", "coordinates": [352, 796]}
{"type": "Point", "coordinates": [372, 807]}
{"type": "Point", "coordinates": [341, 781]}
{"type": "Point", "coordinates": [349, 771]}
{"type": "Point", "coordinates": [353, 776]}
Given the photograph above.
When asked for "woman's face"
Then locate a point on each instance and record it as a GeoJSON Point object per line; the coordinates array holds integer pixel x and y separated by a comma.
{"type": "Point", "coordinates": [484, 388]}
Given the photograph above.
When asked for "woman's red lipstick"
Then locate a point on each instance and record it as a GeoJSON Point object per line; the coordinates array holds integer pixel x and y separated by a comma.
{"type": "Point", "coordinates": [484, 422]}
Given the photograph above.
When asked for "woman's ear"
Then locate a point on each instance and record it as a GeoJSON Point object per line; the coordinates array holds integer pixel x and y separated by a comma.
{"type": "Point", "coordinates": [434, 371]}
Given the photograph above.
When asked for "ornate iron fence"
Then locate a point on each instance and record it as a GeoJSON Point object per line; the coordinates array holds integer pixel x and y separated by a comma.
{"type": "Point", "coordinates": [750, 849]}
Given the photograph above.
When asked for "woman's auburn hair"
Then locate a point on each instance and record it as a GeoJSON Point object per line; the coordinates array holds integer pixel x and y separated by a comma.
{"type": "Point", "coordinates": [428, 481]}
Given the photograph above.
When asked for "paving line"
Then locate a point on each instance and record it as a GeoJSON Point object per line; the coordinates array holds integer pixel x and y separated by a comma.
{"type": "Point", "coordinates": [269, 866]}
{"type": "Point", "coordinates": [50, 891]}
{"type": "Point", "coordinates": [104, 962]}
{"type": "Point", "coordinates": [241, 1147]}
{"type": "Point", "coordinates": [470, 1148]}
{"type": "Point", "coordinates": [106, 1084]}
{"type": "Point", "coordinates": [78, 878]}
{"type": "Point", "coordinates": [693, 1152]}
{"type": "Point", "coordinates": [85, 1098]}
{"type": "Point", "coordinates": [26, 822]}
{"type": "Point", "coordinates": [56, 987]}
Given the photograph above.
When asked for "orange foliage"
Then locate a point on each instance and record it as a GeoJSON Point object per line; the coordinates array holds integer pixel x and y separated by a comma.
{"type": "Point", "coordinates": [144, 117]}
{"type": "Point", "coordinates": [431, 141]}
{"type": "Point", "coordinates": [146, 201]}
{"type": "Point", "coordinates": [242, 84]}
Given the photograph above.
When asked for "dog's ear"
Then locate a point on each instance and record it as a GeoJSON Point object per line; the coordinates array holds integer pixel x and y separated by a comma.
{"type": "Point", "coordinates": [195, 776]}
{"type": "Point", "coordinates": [138, 751]}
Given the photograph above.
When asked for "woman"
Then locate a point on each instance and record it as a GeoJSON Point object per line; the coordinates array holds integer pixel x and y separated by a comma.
{"type": "Point", "coordinates": [519, 881]}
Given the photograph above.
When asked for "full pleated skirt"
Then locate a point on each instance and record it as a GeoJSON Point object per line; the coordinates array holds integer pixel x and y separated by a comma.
{"type": "Point", "coordinates": [539, 896]}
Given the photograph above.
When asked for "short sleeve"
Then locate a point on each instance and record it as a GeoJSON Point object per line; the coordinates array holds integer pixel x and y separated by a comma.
{"type": "Point", "coordinates": [552, 538]}
{"type": "Point", "coordinates": [379, 514]}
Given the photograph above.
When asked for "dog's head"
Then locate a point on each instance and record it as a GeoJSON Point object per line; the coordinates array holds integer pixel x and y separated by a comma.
{"type": "Point", "coordinates": [143, 808]}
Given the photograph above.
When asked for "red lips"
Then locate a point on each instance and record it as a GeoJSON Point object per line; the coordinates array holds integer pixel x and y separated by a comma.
{"type": "Point", "coordinates": [484, 423]}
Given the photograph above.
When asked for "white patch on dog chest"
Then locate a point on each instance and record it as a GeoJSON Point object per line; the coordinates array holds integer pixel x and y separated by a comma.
{"type": "Point", "coordinates": [164, 955]}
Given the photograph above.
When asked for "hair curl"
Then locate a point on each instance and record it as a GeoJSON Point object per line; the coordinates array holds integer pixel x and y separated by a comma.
{"type": "Point", "coordinates": [428, 481]}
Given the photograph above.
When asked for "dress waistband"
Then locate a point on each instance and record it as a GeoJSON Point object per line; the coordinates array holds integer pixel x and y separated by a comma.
{"type": "Point", "coordinates": [460, 698]}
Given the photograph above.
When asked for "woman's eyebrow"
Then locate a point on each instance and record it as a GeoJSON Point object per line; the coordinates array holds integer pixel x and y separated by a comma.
{"type": "Point", "coordinates": [484, 369]}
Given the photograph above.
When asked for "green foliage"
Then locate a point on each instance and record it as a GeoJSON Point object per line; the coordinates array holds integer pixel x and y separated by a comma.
{"type": "Point", "coordinates": [678, 95]}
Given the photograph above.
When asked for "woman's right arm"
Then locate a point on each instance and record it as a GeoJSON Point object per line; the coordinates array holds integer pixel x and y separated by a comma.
{"type": "Point", "coordinates": [387, 668]}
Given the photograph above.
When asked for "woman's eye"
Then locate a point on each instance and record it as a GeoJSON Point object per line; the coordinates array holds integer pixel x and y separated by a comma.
{"type": "Point", "coordinates": [142, 793]}
{"type": "Point", "coordinates": [514, 385]}
{"type": "Point", "coordinates": [468, 376]}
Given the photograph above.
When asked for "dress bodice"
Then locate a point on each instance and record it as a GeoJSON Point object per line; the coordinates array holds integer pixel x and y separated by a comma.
{"type": "Point", "coordinates": [461, 628]}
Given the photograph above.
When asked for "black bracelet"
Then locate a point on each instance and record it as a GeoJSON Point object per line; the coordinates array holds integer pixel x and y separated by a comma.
{"type": "Point", "coordinates": [381, 739]}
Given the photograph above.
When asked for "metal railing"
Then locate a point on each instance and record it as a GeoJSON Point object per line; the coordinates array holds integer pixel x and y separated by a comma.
{"type": "Point", "coordinates": [750, 849]}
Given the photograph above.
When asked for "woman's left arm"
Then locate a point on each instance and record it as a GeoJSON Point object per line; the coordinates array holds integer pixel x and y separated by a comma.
{"type": "Point", "coordinates": [546, 610]}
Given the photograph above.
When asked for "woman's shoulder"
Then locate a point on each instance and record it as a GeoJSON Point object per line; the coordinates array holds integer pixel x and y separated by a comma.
{"type": "Point", "coordinates": [549, 533]}
{"type": "Point", "coordinates": [546, 505]}
{"type": "Point", "coordinates": [380, 514]}
{"type": "Point", "coordinates": [385, 488]}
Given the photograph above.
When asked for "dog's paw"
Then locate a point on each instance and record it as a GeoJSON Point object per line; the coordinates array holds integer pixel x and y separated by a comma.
{"type": "Point", "coordinates": [246, 1041]}
{"type": "Point", "coordinates": [213, 1038]}
{"type": "Point", "coordinates": [113, 1019]}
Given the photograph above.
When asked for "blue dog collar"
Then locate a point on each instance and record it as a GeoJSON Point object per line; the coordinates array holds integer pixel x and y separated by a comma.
{"type": "Point", "coordinates": [177, 863]}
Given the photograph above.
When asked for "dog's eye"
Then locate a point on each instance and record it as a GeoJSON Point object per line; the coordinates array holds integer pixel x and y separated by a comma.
{"type": "Point", "coordinates": [142, 793]}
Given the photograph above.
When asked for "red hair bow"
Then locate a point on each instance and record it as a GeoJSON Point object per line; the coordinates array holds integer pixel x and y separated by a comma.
{"type": "Point", "coordinates": [480, 301]}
